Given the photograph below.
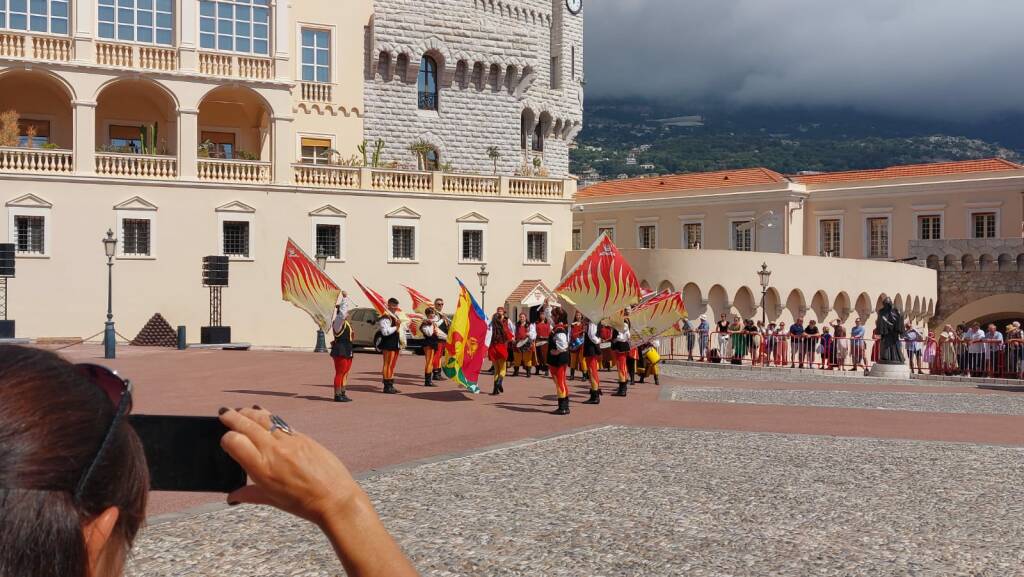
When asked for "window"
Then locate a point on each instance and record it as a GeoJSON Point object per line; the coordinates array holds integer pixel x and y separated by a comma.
{"type": "Point", "coordinates": [524, 131]}
{"type": "Point", "coordinates": [427, 84]}
{"type": "Point", "coordinates": [478, 76]}
{"type": "Point", "coordinates": [473, 245]}
{"type": "Point", "coordinates": [536, 246]}
{"type": "Point", "coordinates": [556, 73]}
{"type": "Point", "coordinates": [830, 235]}
{"type": "Point", "coordinates": [221, 144]}
{"type": "Point", "coordinates": [29, 234]}
{"type": "Point", "coordinates": [648, 236]}
{"type": "Point", "coordinates": [147, 21]}
{"type": "Point", "coordinates": [234, 25]}
{"type": "Point", "coordinates": [328, 241]}
{"type": "Point", "coordinates": [316, 55]}
{"type": "Point", "coordinates": [432, 160]}
{"type": "Point", "coordinates": [127, 139]}
{"type": "Point", "coordinates": [402, 67]}
{"type": "Point", "coordinates": [878, 237]}
{"type": "Point", "coordinates": [35, 15]}
{"type": "Point", "coordinates": [316, 150]}
{"type": "Point", "coordinates": [929, 227]}
{"type": "Point", "coordinates": [403, 243]}
{"type": "Point", "coordinates": [135, 234]}
{"type": "Point", "coordinates": [236, 238]}
{"type": "Point", "coordinates": [743, 235]}
{"type": "Point", "coordinates": [693, 234]}
{"type": "Point", "coordinates": [33, 133]}
{"type": "Point", "coordinates": [577, 238]}
{"type": "Point", "coordinates": [609, 230]}
{"type": "Point", "coordinates": [984, 224]}
{"type": "Point", "coordinates": [538, 137]}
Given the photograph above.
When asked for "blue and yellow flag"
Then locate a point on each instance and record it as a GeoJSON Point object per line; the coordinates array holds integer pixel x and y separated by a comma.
{"type": "Point", "coordinates": [466, 336]}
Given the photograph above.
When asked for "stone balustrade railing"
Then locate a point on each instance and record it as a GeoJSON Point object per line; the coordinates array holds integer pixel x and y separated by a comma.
{"type": "Point", "coordinates": [36, 161]}
{"type": "Point", "coordinates": [135, 56]}
{"type": "Point", "coordinates": [394, 180]}
{"type": "Point", "coordinates": [235, 171]}
{"type": "Point", "coordinates": [218, 64]}
{"type": "Point", "coordinates": [136, 165]}
{"type": "Point", "coordinates": [14, 44]}
{"type": "Point", "coordinates": [318, 92]}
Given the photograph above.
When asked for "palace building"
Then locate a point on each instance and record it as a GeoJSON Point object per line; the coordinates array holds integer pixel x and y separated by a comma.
{"type": "Point", "coordinates": [408, 142]}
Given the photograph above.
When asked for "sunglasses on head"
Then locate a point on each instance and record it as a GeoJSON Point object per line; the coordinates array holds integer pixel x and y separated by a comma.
{"type": "Point", "coordinates": [119, 391]}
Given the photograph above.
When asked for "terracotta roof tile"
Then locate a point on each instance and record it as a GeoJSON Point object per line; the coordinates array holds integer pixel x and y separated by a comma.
{"type": "Point", "coordinates": [911, 171]}
{"type": "Point", "coordinates": [682, 182]}
{"type": "Point", "coordinates": [523, 290]}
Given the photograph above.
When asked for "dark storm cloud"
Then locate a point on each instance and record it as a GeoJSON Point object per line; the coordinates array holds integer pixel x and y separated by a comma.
{"type": "Point", "coordinates": [936, 57]}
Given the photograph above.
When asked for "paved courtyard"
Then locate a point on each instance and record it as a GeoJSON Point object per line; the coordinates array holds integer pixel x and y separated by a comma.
{"type": "Point", "coordinates": [716, 472]}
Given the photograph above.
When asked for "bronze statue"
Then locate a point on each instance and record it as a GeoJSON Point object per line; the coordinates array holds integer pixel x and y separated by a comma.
{"type": "Point", "coordinates": [890, 327]}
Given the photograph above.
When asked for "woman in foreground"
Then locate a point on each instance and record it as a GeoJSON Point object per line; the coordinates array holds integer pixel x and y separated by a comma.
{"type": "Point", "coordinates": [74, 482]}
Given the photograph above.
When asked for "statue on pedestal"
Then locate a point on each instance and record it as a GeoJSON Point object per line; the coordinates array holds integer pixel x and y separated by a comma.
{"type": "Point", "coordinates": [890, 328]}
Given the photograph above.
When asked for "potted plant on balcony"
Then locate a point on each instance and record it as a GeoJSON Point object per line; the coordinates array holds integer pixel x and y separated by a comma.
{"type": "Point", "coordinates": [421, 148]}
{"type": "Point", "coordinates": [9, 134]}
{"type": "Point", "coordinates": [204, 149]}
{"type": "Point", "coordinates": [494, 154]}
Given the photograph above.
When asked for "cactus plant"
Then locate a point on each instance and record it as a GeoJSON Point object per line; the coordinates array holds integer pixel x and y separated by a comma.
{"type": "Point", "coordinates": [378, 148]}
{"type": "Point", "coordinates": [148, 135]}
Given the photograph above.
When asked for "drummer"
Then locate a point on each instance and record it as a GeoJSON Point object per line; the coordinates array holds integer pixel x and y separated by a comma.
{"type": "Point", "coordinates": [650, 358]}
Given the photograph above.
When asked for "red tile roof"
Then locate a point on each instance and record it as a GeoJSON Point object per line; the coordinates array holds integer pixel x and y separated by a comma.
{"type": "Point", "coordinates": [524, 289]}
{"type": "Point", "coordinates": [682, 182]}
{"type": "Point", "coordinates": [911, 171]}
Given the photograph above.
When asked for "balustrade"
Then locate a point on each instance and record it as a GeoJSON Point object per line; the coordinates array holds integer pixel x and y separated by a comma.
{"type": "Point", "coordinates": [324, 176]}
{"type": "Point", "coordinates": [20, 45]}
{"type": "Point", "coordinates": [136, 165]}
{"type": "Point", "coordinates": [35, 160]}
{"type": "Point", "coordinates": [238, 171]}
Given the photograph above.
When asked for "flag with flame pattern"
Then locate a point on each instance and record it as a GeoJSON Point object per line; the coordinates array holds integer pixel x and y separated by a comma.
{"type": "Point", "coordinates": [306, 286]}
{"type": "Point", "coordinates": [420, 302]}
{"type": "Point", "coordinates": [601, 283]}
{"type": "Point", "coordinates": [656, 317]}
{"type": "Point", "coordinates": [466, 337]}
{"type": "Point", "coordinates": [410, 322]}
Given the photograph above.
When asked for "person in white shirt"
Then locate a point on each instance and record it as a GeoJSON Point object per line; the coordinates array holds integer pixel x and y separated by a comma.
{"type": "Point", "coordinates": [525, 341]}
{"type": "Point", "coordinates": [390, 344]}
{"type": "Point", "coordinates": [441, 323]}
{"type": "Point", "coordinates": [592, 354]}
{"type": "Point", "coordinates": [341, 348]}
{"type": "Point", "coordinates": [558, 360]}
{"type": "Point", "coordinates": [993, 348]}
{"type": "Point", "coordinates": [620, 349]}
{"type": "Point", "coordinates": [430, 332]}
{"type": "Point", "coordinates": [975, 338]}
{"type": "Point", "coordinates": [912, 340]}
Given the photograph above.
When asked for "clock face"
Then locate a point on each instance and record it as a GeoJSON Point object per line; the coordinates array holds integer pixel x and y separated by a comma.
{"type": "Point", "coordinates": [574, 6]}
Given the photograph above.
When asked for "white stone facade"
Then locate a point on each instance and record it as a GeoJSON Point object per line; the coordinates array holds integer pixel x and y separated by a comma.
{"type": "Point", "coordinates": [494, 63]}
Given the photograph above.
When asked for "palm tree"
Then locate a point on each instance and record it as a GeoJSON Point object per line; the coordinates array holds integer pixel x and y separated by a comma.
{"type": "Point", "coordinates": [494, 154]}
{"type": "Point", "coordinates": [420, 148]}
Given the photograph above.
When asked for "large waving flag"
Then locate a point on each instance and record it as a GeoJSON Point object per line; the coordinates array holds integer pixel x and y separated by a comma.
{"type": "Point", "coordinates": [420, 302]}
{"type": "Point", "coordinates": [380, 304]}
{"type": "Point", "coordinates": [306, 286]}
{"type": "Point", "coordinates": [601, 283]}
{"type": "Point", "coordinates": [466, 336]}
{"type": "Point", "coordinates": [656, 317]}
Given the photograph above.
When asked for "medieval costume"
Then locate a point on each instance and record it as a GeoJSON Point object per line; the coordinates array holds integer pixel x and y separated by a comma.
{"type": "Point", "coordinates": [558, 362]}
{"type": "Point", "coordinates": [620, 350]}
{"type": "Point", "coordinates": [430, 331]}
{"type": "Point", "coordinates": [592, 353]}
{"type": "Point", "coordinates": [341, 352]}
{"type": "Point", "coordinates": [648, 353]}
{"type": "Point", "coordinates": [441, 326]}
{"type": "Point", "coordinates": [525, 338]}
{"type": "Point", "coordinates": [543, 330]}
{"type": "Point", "coordinates": [390, 344]}
{"type": "Point", "coordinates": [497, 340]}
{"type": "Point", "coordinates": [576, 338]}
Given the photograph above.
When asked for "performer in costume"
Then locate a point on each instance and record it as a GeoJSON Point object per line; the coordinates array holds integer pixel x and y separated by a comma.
{"type": "Point", "coordinates": [525, 337]}
{"type": "Point", "coordinates": [607, 357]}
{"type": "Point", "coordinates": [543, 327]}
{"type": "Point", "coordinates": [558, 360]}
{"type": "Point", "coordinates": [390, 344]}
{"type": "Point", "coordinates": [341, 349]}
{"type": "Point", "coordinates": [441, 325]}
{"type": "Point", "coordinates": [429, 330]}
{"type": "Point", "coordinates": [650, 368]}
{"type": "Point", "coordinates": [592, 354]}
{"type": "Point", "coordinates": [496, 342]}
{"type": "Point", "coordinates": [577, 334]}
{"type": "Point", "coordinates": [620, 350]}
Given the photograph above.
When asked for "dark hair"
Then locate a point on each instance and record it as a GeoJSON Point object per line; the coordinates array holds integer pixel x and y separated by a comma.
{"type": "Point", "coordinates": [393, 301]}
{"type": "Point", "coordinates": [498, 329]}
{"type": "Point", "coordinates": [429, 311]}
{"type": "Point", "coordinates": [52, 422]}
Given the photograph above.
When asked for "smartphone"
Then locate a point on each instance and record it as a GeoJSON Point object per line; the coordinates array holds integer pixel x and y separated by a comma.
{"type": "Point", "coordinates": [184, 454]}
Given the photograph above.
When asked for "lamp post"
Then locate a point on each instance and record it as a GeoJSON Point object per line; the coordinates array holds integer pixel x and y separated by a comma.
{"type": "Point", "coordinates": [482, 275]}
{"type": "Point", "coordinates": [109, 336]}
{"type": "Point", "coordinates": [321, 339]}
{"type": "Point", "coordinates": [764, 276]}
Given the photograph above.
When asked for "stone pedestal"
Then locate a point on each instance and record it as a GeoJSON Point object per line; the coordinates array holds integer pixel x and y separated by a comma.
{"type": "Point", "coordinates": [886, 371]}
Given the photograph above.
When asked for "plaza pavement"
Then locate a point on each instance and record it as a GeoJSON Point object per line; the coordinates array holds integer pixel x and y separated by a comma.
{"type": "Point", "coordinates": [713, 473]}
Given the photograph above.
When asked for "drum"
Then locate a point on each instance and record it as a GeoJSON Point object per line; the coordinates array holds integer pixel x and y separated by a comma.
{"type": "Point", "coordinates": [652, 356]}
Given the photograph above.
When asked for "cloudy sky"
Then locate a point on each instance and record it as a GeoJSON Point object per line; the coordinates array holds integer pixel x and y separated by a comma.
{"type": "Point", "coordinates": [930, 57]}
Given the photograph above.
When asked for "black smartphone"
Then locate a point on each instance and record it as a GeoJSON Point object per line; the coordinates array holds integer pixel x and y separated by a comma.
{"type": "Point", "coordinates": [184, 454]}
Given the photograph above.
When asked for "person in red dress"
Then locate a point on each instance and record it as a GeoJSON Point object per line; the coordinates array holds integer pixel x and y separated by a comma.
{"type": "Point", "coordinates": [497, 339]}
{"type": "Point", "coordinates": [558, 360]}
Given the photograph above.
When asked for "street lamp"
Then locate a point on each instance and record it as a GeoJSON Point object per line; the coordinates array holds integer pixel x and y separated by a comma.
{"type": "Point", "coordinates": [109, 336]}
{"type": "Point", "coordinates": [482, 275]}
{"type": "Point", "coordinates": [764, 276]}
{"type": "Point", "coordinates": [321, 340]}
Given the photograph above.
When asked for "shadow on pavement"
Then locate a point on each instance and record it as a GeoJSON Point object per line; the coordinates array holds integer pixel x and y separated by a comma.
{"type": "Point", "coordinates": [442, 396]}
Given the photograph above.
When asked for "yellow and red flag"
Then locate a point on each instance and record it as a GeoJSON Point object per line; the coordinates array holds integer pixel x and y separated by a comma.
{"type": "Point", "coordinates": [408, 321]}
{"type": "Point", "coordinates": [466, 337]}
{"type": "Point", "coordinates": [306, 286]}
{"type": "Point", "coordinates": [420, 302]}
{"type": "Point", "coordinates": [658, 316]}
{"type": "Point", "coordinates": [601, 283]}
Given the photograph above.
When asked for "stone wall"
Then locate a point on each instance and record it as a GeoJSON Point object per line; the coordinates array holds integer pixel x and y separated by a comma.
{"type": "Point", "coordinates": [970, 270]}
{"type": "Point", "coordinates": [494, 61]}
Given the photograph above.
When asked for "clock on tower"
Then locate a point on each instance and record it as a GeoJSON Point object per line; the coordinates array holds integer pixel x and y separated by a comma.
{"type": "Point", "coordinates": [574, 6]}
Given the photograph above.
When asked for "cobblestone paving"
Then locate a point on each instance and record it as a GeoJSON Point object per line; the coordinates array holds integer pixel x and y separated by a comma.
{"type": "Point", "coordinates": [923, 401]}
{"type": "Point", "coordinates": [623, 502]}
{"type": "Point", "coordinates": [779, 374]}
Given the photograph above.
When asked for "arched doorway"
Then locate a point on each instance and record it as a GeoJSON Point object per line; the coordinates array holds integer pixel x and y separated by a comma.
{"type": "Point", "coordinates": [42, 103]}
{"type": "Point", "coordinates": [234, 124]}
{"type": "Point", "coordinates": [135, 116]}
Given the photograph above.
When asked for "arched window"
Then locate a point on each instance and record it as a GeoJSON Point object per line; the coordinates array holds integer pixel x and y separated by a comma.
{"type": "Point", "coordinates": [432, 160]}
{"type": "Point", "coordinates": [524, 130]}
{"type": "Point", "coordinates": [538, 137]}
{"type": "Point", "coordinates": [427, 84]}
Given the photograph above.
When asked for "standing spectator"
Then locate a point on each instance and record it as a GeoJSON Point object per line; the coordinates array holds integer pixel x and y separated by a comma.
{"type": "Point", "coordinates": [738, 340]}
{"type": "Point", "coordinates": [931, 354]}
{"type": "Point", "coordinates": [975, 339]}
{"type": "Point", "coordinates": [876, 338]}
{"type": "Point", "coordinates": [1015, 350]}
{"type": "Point", "coordinates": [961, 349]}
{"type": "Point", "coordinates": [781, 345]}
{"type": "Point", "coordinates": [857, 345]}
{"type": "Point", "coordinates": [722, 328]}
{"type": "Point", "coordinates": [770, 345]}
{"type": "Point", "coordinates": [842, 346]}
{"type": "Point", "coordinates": [757, 344]}
{"type": "Point", "coordinates": [703, 336]}
{"type": "Point", "coordinates": [827, 348]}
{"type": "Point", "coordinates": [688, 331]}
{"type": "Point", "coordinates": [811, 333]}
{"type": "Point", "coordinates": [947, 351]}
{"type": "Point", "coordinates": [993, 349]}
{"type": "Point", "coordinates": [796, 343]}
{"type": "Point", "coordinates": [912, 343]}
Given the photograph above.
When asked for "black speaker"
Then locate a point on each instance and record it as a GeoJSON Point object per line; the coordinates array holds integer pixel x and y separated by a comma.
{"type": "Point", "coordinates": [215, 335]}
{"type": "Point", "coordinates": [7, 260]}
{"type": "Point", "coordinates": [215, 271]}
{"type": "Point", "coordinates": [6, 329]}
